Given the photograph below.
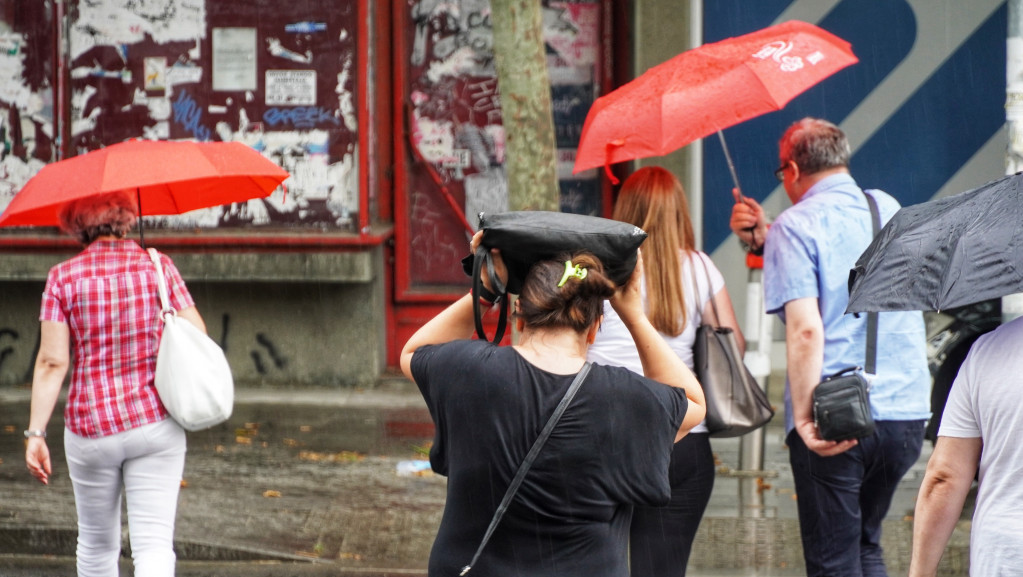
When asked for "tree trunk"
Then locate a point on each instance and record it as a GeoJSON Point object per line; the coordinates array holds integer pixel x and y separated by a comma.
{"type": "Point", "coordinates": [530, 150]}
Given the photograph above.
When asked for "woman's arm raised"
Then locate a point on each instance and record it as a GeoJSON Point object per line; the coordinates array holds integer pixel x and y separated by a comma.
{"type": "Point", "coordinates": [660, 363]}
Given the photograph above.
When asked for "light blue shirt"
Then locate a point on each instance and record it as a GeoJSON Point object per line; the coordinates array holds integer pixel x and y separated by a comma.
{"type": "Point", "coordinates": [809, 252]}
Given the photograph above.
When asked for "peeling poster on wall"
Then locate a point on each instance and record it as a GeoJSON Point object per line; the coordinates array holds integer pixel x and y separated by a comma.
{"type": "Point", "coordinates": [234, 59]}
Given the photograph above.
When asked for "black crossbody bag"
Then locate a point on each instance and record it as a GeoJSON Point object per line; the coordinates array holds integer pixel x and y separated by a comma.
{"type": "Point", "coordinates": [841, 402]}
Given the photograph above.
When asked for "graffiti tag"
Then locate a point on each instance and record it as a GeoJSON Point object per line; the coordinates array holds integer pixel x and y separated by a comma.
{"type": "Point", "coordinates": [189, 115]}
{"type": "Point", "coordinates": [300, 116]}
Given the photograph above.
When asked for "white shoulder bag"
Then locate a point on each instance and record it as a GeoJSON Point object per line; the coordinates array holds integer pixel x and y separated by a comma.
{"type": "Point", "coordinates": [192, 375]}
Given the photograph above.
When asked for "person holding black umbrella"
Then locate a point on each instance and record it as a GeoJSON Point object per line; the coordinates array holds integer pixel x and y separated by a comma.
{"type": "Point", "coordinates": [103, 304]}
{"type": "Point", "coordinates": [844, 488]}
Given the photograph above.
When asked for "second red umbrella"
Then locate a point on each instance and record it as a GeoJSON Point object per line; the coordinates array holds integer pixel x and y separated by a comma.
{"type": "Point", "coordinates": [707, 89]}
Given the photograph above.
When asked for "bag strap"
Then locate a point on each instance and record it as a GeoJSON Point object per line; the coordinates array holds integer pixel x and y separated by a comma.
{"type": "Point", "coordinates": [696, 256]}
{"type": "Point", "coordinates": [161, 283]}
{"type": "Point", "coordinates": [871, 361]}
{"type": "Point", "coordinates": [528, 462]}
{"type": "Point", "coordinates": [481, 255]}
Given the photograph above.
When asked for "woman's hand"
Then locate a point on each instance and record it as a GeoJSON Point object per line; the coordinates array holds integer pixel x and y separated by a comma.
{"type": "Point", "coordinates": [495, 256]}
{"type": "Point", "coordinates": [628, 300]}
{"type": "Point", "coordinates": [37, 458]}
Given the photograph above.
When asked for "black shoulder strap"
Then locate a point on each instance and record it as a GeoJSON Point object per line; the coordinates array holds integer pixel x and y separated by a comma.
{"type": "Point", "coordinates": [483, 255]}
{"type": "Point", "coordinates": [528, 462]}
{"type": "Point", "coordinates": [871, 365]}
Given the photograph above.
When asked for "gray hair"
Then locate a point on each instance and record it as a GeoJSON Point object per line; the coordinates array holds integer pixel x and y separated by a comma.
{"type": "Point", "coordinates": [94, 216]}
{"type": "Point", "coordinates": [814, 145]}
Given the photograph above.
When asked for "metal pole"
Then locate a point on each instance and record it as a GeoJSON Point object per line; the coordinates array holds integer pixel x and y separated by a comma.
{"type": "Point", "coordinates": [1012, 305]}
{"type": "Point", "coordinates": [695, 187]}
{"type": "Point", "coordinates": [751, 446]}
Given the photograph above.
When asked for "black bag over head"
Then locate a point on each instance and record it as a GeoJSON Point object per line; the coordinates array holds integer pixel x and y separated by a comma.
{"type": "Point", "coordinates": [527, 237]}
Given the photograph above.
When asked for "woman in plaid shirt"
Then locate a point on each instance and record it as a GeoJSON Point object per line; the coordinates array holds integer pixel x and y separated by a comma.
{"type": "Point", "coordinates": [103, 304]}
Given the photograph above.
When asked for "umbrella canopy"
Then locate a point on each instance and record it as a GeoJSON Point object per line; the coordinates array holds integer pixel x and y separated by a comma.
{"type": "Point", "coordinates": [707, 89]}
{"type": "Point", "coordinates": [170, 177]}
{"type": "Point", "coordinates": [945, 253]}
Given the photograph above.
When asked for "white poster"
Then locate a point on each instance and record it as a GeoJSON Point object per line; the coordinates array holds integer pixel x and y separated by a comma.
{"type": "Point", "coordinates": [234, 59]}
{"type": "Point", "coordinates": [290, 87]}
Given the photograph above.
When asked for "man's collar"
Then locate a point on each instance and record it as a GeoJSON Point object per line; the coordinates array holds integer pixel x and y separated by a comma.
{"type": "Point", "coordinates": [829, 182]}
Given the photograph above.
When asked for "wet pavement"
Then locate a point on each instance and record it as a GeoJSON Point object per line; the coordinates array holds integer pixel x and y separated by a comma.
{"type": "Point", "coordinates": [316, 482]}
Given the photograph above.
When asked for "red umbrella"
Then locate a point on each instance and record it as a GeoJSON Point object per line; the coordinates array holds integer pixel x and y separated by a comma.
{"type": "Point", "coordinates": [169, 177]}
{"type": "Point", "coordinates": [707, 89]}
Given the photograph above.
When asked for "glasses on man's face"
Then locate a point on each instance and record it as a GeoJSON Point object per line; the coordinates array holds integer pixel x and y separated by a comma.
{"type": "Point", "coordinates": [779, 172]}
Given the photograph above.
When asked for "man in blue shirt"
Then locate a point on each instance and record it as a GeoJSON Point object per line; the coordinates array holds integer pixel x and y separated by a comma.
{"type": "Point", "coordinates": [845, 488]}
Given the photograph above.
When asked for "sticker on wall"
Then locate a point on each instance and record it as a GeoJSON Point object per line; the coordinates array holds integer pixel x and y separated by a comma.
{"type": "Point", "coordinates": [155, 70]}
{"type": "Point", "coordinates": [305, 27]}
{"type": "Point", "coordinates": [275, 48]}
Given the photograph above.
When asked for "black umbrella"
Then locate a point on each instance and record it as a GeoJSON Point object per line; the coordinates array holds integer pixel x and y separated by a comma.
{"type": "Point", "coordinates": [945, 253]}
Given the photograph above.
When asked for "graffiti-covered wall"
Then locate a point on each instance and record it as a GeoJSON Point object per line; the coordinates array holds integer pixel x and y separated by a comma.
{"type": "Point", "coordinates": [455, 135]}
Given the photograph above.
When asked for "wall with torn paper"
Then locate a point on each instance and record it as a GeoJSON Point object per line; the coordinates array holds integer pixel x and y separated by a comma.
{"type": "Point", "coordinates": [278, 76]}
{"type": "Point", "coordinates": [26, 92]}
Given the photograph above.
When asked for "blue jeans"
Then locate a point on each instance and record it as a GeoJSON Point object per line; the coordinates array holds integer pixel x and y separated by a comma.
{"type": "Point", "coordinates": [842, 500]}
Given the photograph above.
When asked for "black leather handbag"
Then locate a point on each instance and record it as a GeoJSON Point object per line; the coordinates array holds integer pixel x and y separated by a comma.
{"type": "Point", "coordinates": [526, 237]}
{"type": "Point", "coordinates": [736, 403]}
{"type": "Point", "coordinates": [841, 406]}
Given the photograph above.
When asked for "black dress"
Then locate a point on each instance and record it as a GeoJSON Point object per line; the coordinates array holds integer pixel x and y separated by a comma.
{"type": "Point", "coordinates": [571, 515]}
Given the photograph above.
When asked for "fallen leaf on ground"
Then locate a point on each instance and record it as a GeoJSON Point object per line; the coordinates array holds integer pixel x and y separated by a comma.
{"type": "Point", "coordinates": [342, 457]}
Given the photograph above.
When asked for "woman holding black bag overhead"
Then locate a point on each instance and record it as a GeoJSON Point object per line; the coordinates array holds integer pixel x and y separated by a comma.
{"type": "Point", "coordinates": [103, 305]}
{"type": "Point", "coordinates": [608, 452]}
{"type": "Point", "coordinates": [681, 286]}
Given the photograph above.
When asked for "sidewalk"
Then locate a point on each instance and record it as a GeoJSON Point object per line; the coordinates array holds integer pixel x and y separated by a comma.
{"type": "Point", "coordinates": [306, 482]}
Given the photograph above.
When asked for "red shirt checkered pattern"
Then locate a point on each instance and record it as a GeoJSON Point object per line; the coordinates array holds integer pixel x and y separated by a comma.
{"type": "Point", "coordinates": [108, 297]}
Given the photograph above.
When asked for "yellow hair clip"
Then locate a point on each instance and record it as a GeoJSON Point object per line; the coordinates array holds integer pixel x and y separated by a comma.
{"type": "Point", "coordinates": [572, 271]}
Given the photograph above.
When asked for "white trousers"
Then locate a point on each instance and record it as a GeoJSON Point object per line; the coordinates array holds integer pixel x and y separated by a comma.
{"type": "Point", "coordinates": [147, 462]}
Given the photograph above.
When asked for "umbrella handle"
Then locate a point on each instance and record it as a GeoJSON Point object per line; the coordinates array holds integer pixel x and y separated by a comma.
{"type": "Point", "coordinates": [731, 167]}
{"type": "Point", "coordinates": [142, 235]}
{"type": "Point", "coordinates": [607, 159]}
